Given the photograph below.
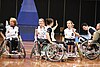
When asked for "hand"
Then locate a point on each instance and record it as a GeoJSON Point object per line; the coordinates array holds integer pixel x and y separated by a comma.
{"type": "Point", "coordinates": [56, 23]}
{"type": "Point", "coordinates": [52, 42]}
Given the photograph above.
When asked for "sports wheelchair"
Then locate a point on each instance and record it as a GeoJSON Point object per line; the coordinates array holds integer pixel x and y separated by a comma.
{"type": "Point", "coordinates": [90, 49]}
{"type": "Point", "coordinates": [57, 51]}
{"type": "Point", "coordinates": [52, 52]}
{"type": "Point", "coordinates": [13, 47]}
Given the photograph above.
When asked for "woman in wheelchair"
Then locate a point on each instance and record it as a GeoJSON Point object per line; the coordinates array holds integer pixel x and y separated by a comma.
{"type": "Point", "coordinates": [43, 33]}
{"type": "Point", "coordinates": [40, 35]}
{"type": "Point", "coordinates": [12, 35]}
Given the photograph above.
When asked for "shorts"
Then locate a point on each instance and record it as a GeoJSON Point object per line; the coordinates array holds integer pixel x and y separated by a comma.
{"type": "Point", "coordinates": [69, 41]}
{"type": "Point", "coordinates": [43, 41]}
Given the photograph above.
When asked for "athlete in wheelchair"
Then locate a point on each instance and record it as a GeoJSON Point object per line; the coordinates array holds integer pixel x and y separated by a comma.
{"type": "Point", "coordinates": [44, 40]}
{"type": "Point", "coordinates": [12, 45]}
{"type": "Point", "coordinates": [40, 38]}
{"type": "Point", "coordinates": [92, 46]}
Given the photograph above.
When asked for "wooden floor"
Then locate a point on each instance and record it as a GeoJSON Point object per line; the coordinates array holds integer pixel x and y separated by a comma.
{"type": "Point", "coordinates": [34, 62]}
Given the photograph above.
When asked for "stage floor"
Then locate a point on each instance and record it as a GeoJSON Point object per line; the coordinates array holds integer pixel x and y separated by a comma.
{"type": "Point", "coordinates": [27, 62]}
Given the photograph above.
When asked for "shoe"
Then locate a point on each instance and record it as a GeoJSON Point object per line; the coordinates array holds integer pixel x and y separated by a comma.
{"type": "Point", "coordinates": [14, 52]}
{"type": "Point", "coordinates": [42, 53]}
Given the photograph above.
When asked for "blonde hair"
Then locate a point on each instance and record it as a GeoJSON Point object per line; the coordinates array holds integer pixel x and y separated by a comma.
{"type": "Point", "coordinates": [13, 20]}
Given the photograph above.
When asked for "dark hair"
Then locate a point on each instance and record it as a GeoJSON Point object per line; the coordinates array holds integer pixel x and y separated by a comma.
{"type": "Point", "coordinates": [84, 24]}
{"type": "Point", "coordinates": [49, 21]}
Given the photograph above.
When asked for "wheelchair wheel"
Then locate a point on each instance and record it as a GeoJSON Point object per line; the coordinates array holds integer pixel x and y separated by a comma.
{"type": "Point", "coordinates": [5, 47]}
{"type": "Point", "coordinates": [91, 53]}
{"type": "Point", "coordinates": [54, 52]}
{"type": "Point", "coordinates": [22, 50]}
{"type": "Point", "coordinates": [33, 51]}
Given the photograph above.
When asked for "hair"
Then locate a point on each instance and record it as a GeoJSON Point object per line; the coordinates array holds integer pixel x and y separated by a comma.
{"type": "Point", "coordinates": [98, 23]}
{"type": "Point", "coordinates": [49, 21]}
{"type": "Point", "coordinates": [14, 20]}
{"type": "Point", "coordinates": [71, 22]}
{"type": "Point", "coordinates": [41, 19]}
{"type": "Point", "coordinates": [84, 24]}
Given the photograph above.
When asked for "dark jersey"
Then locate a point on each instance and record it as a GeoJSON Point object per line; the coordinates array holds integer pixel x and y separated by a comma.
{"type": "Point", "coordinates": [91, 31]}
{"type": "Point", "coordinates": [49, 30]}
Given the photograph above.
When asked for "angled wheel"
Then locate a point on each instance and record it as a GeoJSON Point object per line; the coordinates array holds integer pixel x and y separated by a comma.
{"type": "Point", "coordinates": [54, 52]}
{"type": "Point", "coordinates": [5, 47]}
{"type": "Point", "coordinates": [22, 50]}
{"type": "Point", "coordinates": [90, 52]}
{"type": "Point", "coordinates": [33, 51]}
{"type": "Point", "coordinates": [94, 53]}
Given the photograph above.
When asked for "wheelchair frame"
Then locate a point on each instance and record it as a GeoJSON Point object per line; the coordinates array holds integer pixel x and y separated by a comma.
{"type": "Point", "coordinates": [4, 48]}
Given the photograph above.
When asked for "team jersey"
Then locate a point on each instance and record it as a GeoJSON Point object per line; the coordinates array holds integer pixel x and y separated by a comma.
{"type": "Point", "coordinates": [69, 34]}
{"type": "Point", "coordinates": [91, 30]}
{"type": "Point", "coordinates": [41, 32]}
{"type": "Point", "coordinates": [49, 30]}
{"type": "Point", "coordinates": [11, 32]}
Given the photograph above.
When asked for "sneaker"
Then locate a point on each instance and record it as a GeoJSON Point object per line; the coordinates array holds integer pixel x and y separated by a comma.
{"type": "Point", "coordinates": [42, 53]}
{"type": "Point", "coordinates": [14, 52]}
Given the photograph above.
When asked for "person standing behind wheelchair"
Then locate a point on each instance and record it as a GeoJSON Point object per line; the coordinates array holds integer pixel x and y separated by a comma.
{"type": "Point", "coordinates": [12, 32]}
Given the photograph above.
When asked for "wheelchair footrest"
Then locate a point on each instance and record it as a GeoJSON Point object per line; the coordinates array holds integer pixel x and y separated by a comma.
{"type": "Point", "coordinates": [14, 54]}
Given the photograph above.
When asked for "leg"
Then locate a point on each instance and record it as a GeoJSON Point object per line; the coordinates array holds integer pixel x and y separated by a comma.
{"type": "Point", "coordinates": [68, 48]}
{"type": "Point", "coordinates": [71, 48]}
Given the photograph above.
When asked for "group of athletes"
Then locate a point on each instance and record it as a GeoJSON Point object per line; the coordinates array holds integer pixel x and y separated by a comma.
{"type": "Point", "coordinates": [45, 32]}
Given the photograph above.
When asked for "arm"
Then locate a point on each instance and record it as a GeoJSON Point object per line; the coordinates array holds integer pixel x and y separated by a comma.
{"type": "Point", "coordinates": [55, 26]}
{"type": "Point", "coordinates": [2, 35]}
{"type": "Point", "coordinates": [48, 37]}
{"type": "Point", "coordinates": [77, 34]}
{"type": "Point", "coordinates": [96, 35]}
{"type": "Point", "coordinates": [36, 34]}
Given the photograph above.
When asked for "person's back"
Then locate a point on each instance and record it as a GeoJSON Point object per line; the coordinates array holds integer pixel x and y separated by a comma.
{"type": "Point", "coordinates": [96, 36]}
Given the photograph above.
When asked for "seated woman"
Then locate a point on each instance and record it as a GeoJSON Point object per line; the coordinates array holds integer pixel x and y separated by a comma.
{"type": "Point", "coordinates": [40, 34]}
{"type": "Point", "coordinates": [12, 34]}
{"type": "Point", "coordinates": [49, 23]}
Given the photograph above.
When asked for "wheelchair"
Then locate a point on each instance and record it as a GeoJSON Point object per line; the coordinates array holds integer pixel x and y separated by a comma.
{"type": "Point", "coordinates": [56, 52]}
{"type": "Point", "coordinates": [13, 47]}
{"type": "Point", "coordinates": [91, 51]}
{"type": "Point", "coordinates": [52, 52]}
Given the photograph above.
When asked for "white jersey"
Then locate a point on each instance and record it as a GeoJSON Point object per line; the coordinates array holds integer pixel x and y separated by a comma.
{"type": "Point", "coordinates": [42, 32]}
{"type": "Point", "coordinates": [52, 36]}
{"type": "Point", "coordinates": [11, 32]}
{"type": "Point", "coordinates": [69, 34]}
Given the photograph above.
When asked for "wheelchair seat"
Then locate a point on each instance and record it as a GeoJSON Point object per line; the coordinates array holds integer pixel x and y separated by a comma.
{"type": "Point", "coordinates": [14, 43]}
